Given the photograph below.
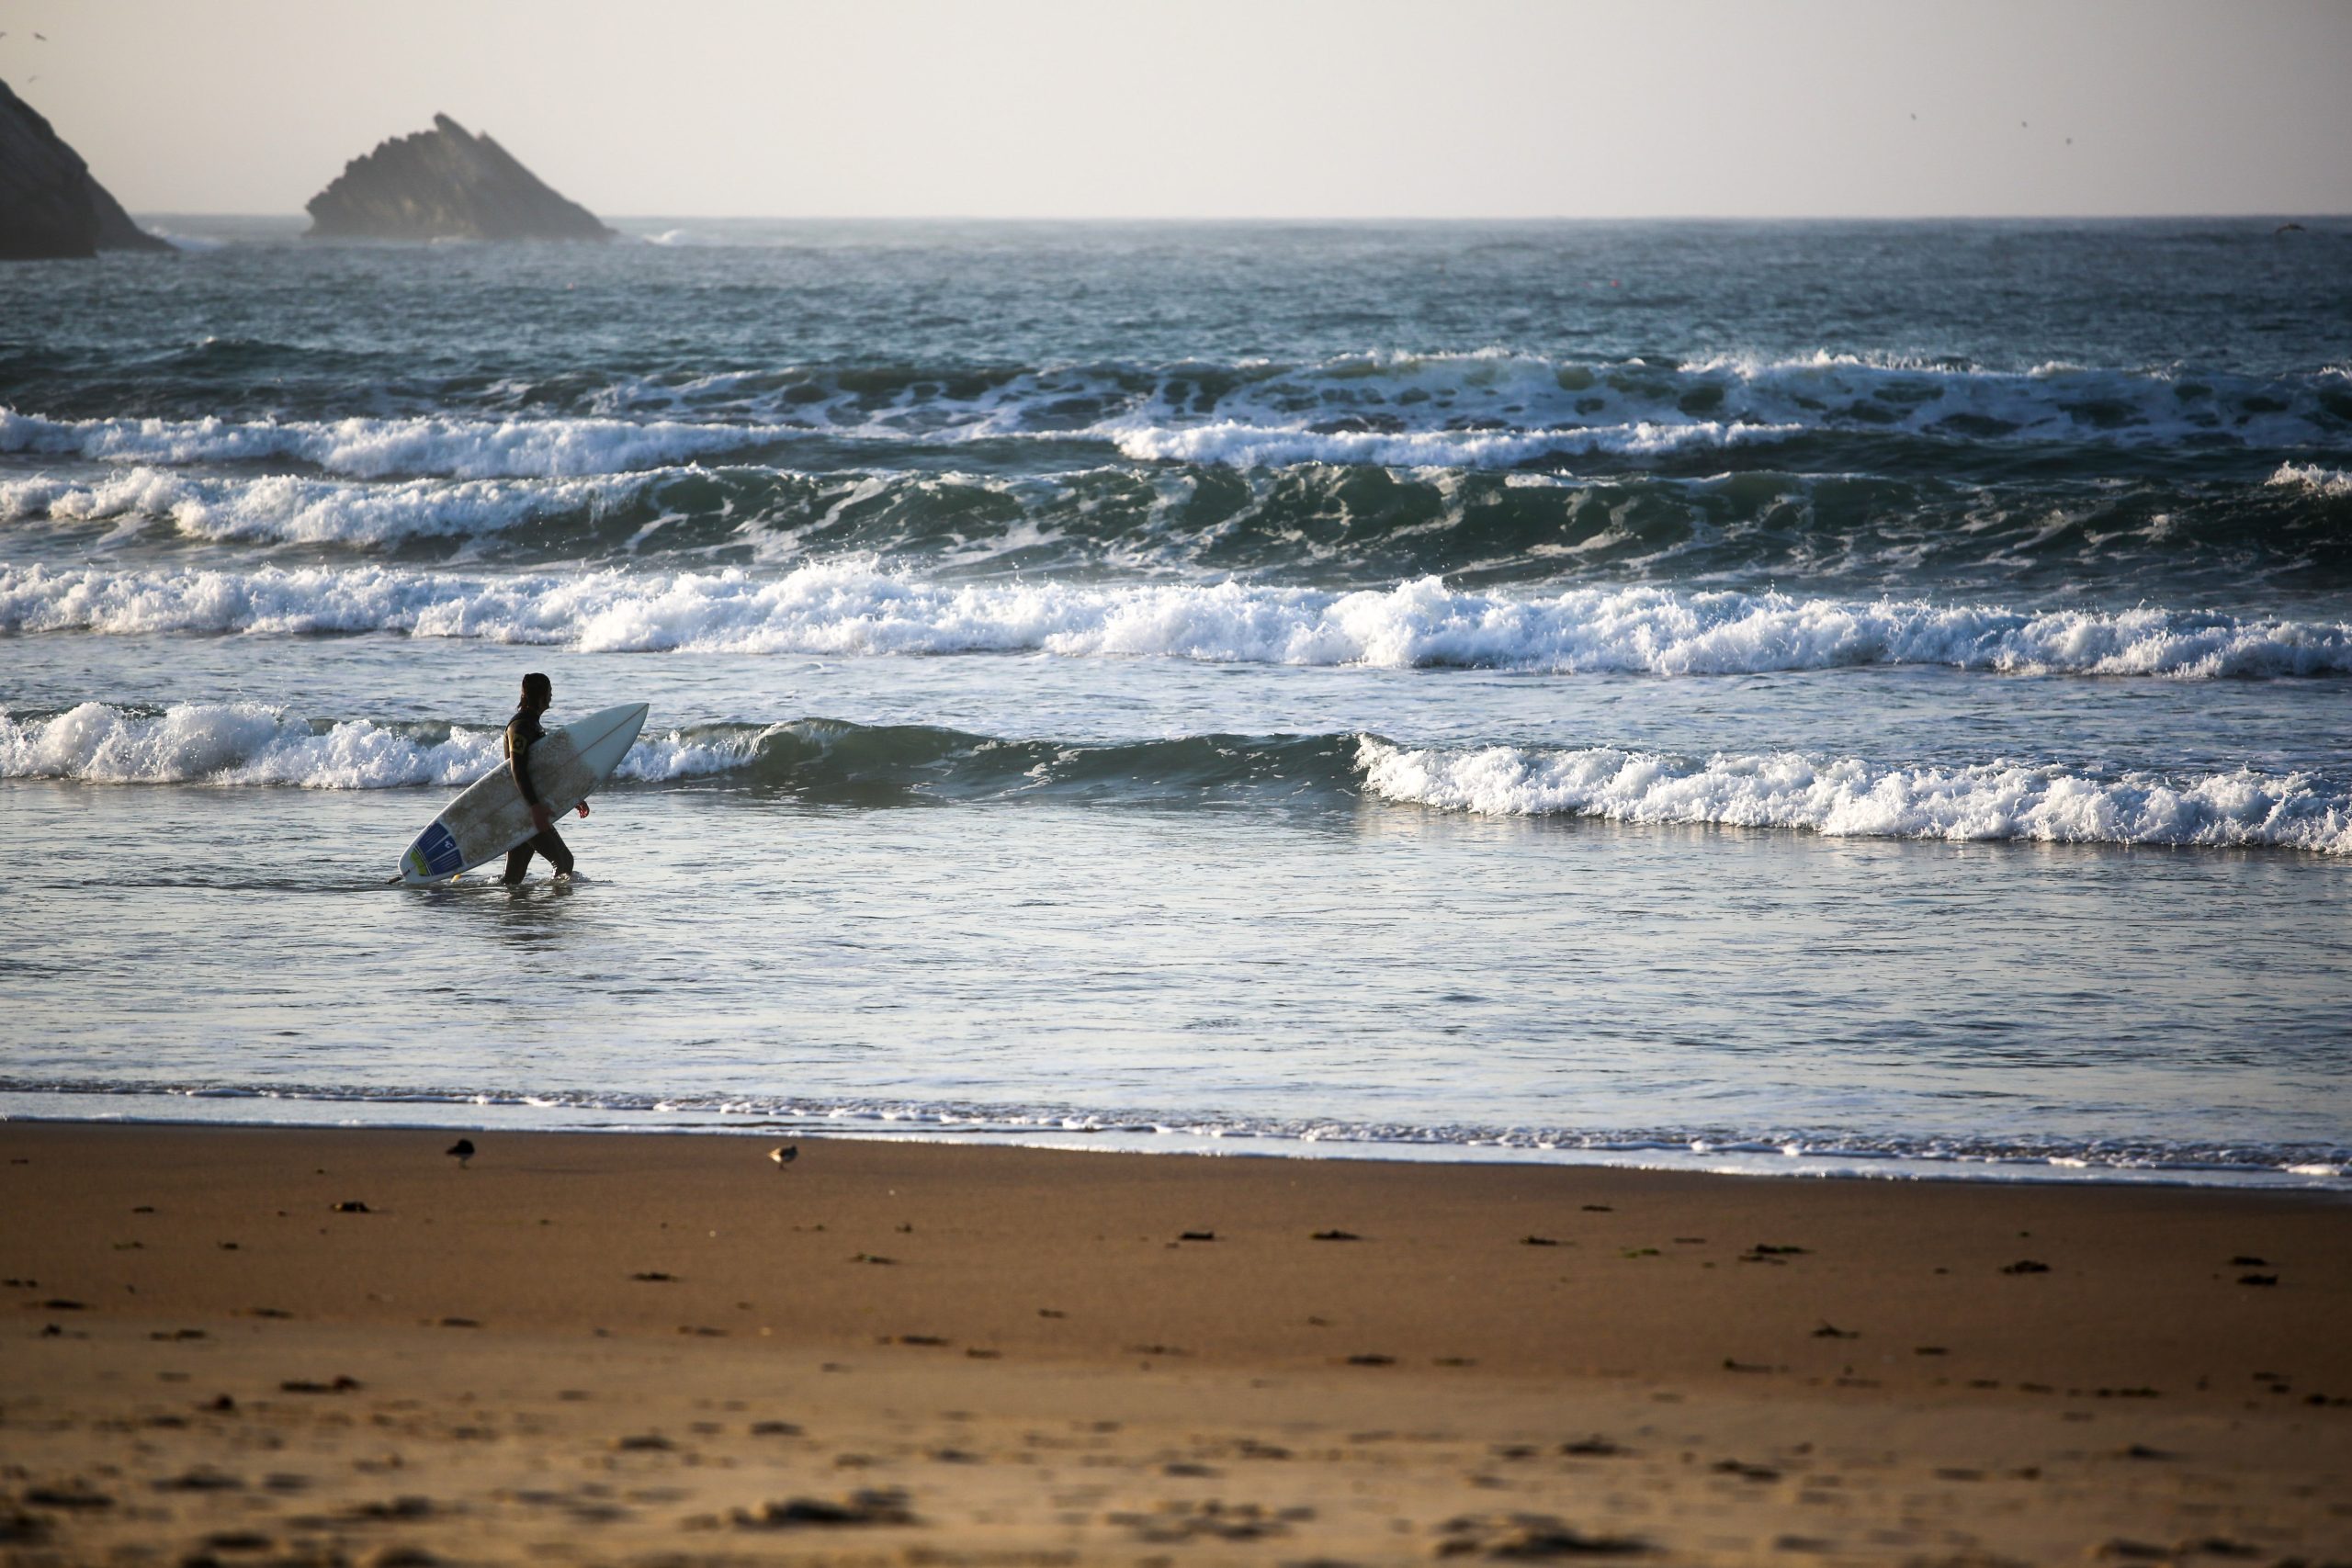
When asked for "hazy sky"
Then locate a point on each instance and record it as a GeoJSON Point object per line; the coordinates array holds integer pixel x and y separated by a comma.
{"type": "Point", "coordinates": [1219, 108]}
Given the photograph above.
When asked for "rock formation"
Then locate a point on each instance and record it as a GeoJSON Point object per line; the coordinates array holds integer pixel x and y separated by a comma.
{"type": "Point", "coordinates": [445, 184]}
{"type": "Point", "coordinates": [50, 207]}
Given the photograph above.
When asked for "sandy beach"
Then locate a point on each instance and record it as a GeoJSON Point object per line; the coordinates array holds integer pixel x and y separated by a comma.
{"type": "Point", "coordinates": [293, 1347]}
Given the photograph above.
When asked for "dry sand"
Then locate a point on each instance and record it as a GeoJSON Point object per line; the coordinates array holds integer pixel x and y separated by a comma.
{"type": "Point", "coordinates": [273, 1346]}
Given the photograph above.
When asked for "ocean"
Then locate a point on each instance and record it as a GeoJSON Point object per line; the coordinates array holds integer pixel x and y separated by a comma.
{"type": "Point", "coordinates": [1792, 698]}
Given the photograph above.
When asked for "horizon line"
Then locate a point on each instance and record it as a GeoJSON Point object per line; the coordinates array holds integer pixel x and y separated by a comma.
{"type": "Point", "coordinates": [1380, 218]}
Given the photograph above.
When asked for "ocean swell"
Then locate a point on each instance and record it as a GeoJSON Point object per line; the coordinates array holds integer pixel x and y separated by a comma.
{"type": "Point", "coordinates": [1397, 393]}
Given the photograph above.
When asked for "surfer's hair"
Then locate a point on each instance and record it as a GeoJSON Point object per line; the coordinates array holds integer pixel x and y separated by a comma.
{"type": "Point", "coordinates": [538, 685]}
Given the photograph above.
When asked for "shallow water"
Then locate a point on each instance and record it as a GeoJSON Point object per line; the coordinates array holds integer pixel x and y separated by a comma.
{"type": "Point", "coordinates": [1810, 698]}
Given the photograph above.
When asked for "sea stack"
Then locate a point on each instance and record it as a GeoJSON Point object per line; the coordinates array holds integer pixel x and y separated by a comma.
{"type": "Point", "coordinates": [50, 206]}
{"type": "Point", "coordinates": [445, 184]}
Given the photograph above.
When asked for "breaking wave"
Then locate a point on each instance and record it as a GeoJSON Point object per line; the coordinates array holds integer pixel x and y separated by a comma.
{"type": "Point", "coordinates": [1845, 797]}
{"type": "Point", "coordinates": [2334, 483]}
{"type": "Point", "coordinates": [384, 448]}
{"type": "Point", "coordinates": [1243, 445]}
{"type": "Point", "coordinates": [248, 743]}
{"type": "Point", "coordinates": [831, 762]}
{"type": "Point", "coordinates": [818, 759]}
{"type": "Point", "coordinates": [307, 511]}
{"type": "Point", "coordinates": [1329, 526]}
{"type": "Point", "coordinates": [1488, 408]}
{"type": "Point", "coordinates": [857, 608]}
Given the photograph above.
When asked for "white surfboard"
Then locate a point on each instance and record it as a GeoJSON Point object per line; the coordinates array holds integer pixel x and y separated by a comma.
{"type": "Point", "coordinates": [491, 816]}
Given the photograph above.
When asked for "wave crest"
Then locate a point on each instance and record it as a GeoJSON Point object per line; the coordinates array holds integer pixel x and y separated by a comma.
{"type": "Point", "coordinates": [1483, 410]}
{"type": "Point", "coordinates": [249, 743]}
{"type": "Point", "coordinates": [2336, 484]}
{"type": "Point", "coordinates": [1846, 796]}
{"type": "Point", "coordinates": [440, 445]}
{"type": "Point", "coordinates": [307, 511]}
{"type": "Point", "coordinates": [855, 608]}
{"type": "Point", "coordinates": [836, 763]}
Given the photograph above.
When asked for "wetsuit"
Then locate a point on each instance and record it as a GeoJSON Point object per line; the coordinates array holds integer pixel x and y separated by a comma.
{"type": "Point", "coordinates": [522, 731]}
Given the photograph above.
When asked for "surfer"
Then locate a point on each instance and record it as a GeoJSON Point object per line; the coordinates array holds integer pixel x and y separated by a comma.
{"type": "Point", "coordinates": [522, 732]}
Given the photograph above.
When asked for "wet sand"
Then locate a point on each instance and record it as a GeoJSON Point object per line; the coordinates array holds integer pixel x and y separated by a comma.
{"type": "Point", "coordinates": [261, 1345]}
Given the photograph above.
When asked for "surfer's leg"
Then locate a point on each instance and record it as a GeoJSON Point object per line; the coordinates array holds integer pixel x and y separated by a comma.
{"type": "Point", "coordinates": [558, 854]}
{"type": "Point", "coordinates": [519, 860]}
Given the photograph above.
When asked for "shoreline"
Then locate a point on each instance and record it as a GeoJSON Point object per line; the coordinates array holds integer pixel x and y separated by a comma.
{"type": "Point", "coordinates": [1046, 1358]}
{"type": "Point", "coordinates": [1134, 1135]}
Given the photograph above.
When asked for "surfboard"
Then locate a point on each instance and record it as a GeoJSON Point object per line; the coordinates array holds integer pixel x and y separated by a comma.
{"type": "Point", "coordinates": [491, 816]}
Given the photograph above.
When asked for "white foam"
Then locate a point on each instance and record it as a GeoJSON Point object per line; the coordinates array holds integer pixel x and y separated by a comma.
{"type": "Point", "coordinates": [853, 607]}
{"type": "Point", "coordinates": [1240, 446]}
{"type": "Point", "coordinates": [293, 509]}
{"type": "Point", "coordinates": [1846, 796]}
{"type": "Point", "coordinates": [2330, 482]}
{"type": "Point", "coordinates": [245, 743]}
{"type": "Point", "coordinates": [383, 448]}
{"type": "Point", "coordinates": [1496, 408]}
{"type": "Point", "coordinates": [232, 743]}
{"type": "Point", "coordinates": [1487, 409]}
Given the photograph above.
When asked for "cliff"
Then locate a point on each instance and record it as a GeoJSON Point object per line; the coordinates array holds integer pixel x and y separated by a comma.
{"type": "Point", "coordinates": [50, 206]}
{"type": "Point", "coordinates": [444, 183]}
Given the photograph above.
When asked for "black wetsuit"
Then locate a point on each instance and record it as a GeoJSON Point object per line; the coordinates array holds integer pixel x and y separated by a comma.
{"type": "Point", "coordinates": [522, 731]}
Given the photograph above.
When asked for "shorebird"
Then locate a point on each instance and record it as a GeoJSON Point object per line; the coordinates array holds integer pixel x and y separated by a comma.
{"type": "Point", "coordinates": [783, 1155]}
{"type": "Point", "coordinates": [462, 1151]}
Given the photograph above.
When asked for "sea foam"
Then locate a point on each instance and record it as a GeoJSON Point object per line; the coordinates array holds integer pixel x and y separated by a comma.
{"type": "Point", "coordinates": [307, 511]}
{"type": "Point", "coordinates": [1495, 407]}
{"type": "Point", "coordinates": [248, 743]}
{"type": "Point", "coordinates": [1847, 796]}
{"type": "Point", "coordinates": [854, 608]}
{"type": "Point", "coordinates": [1240, 446]}
{"type": "Point", "coordinates": [1488, 409]}
{"type": "Point", "coordinates": [2334, 483]}
{"type": "Point", "coordinates": [383, 448]}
